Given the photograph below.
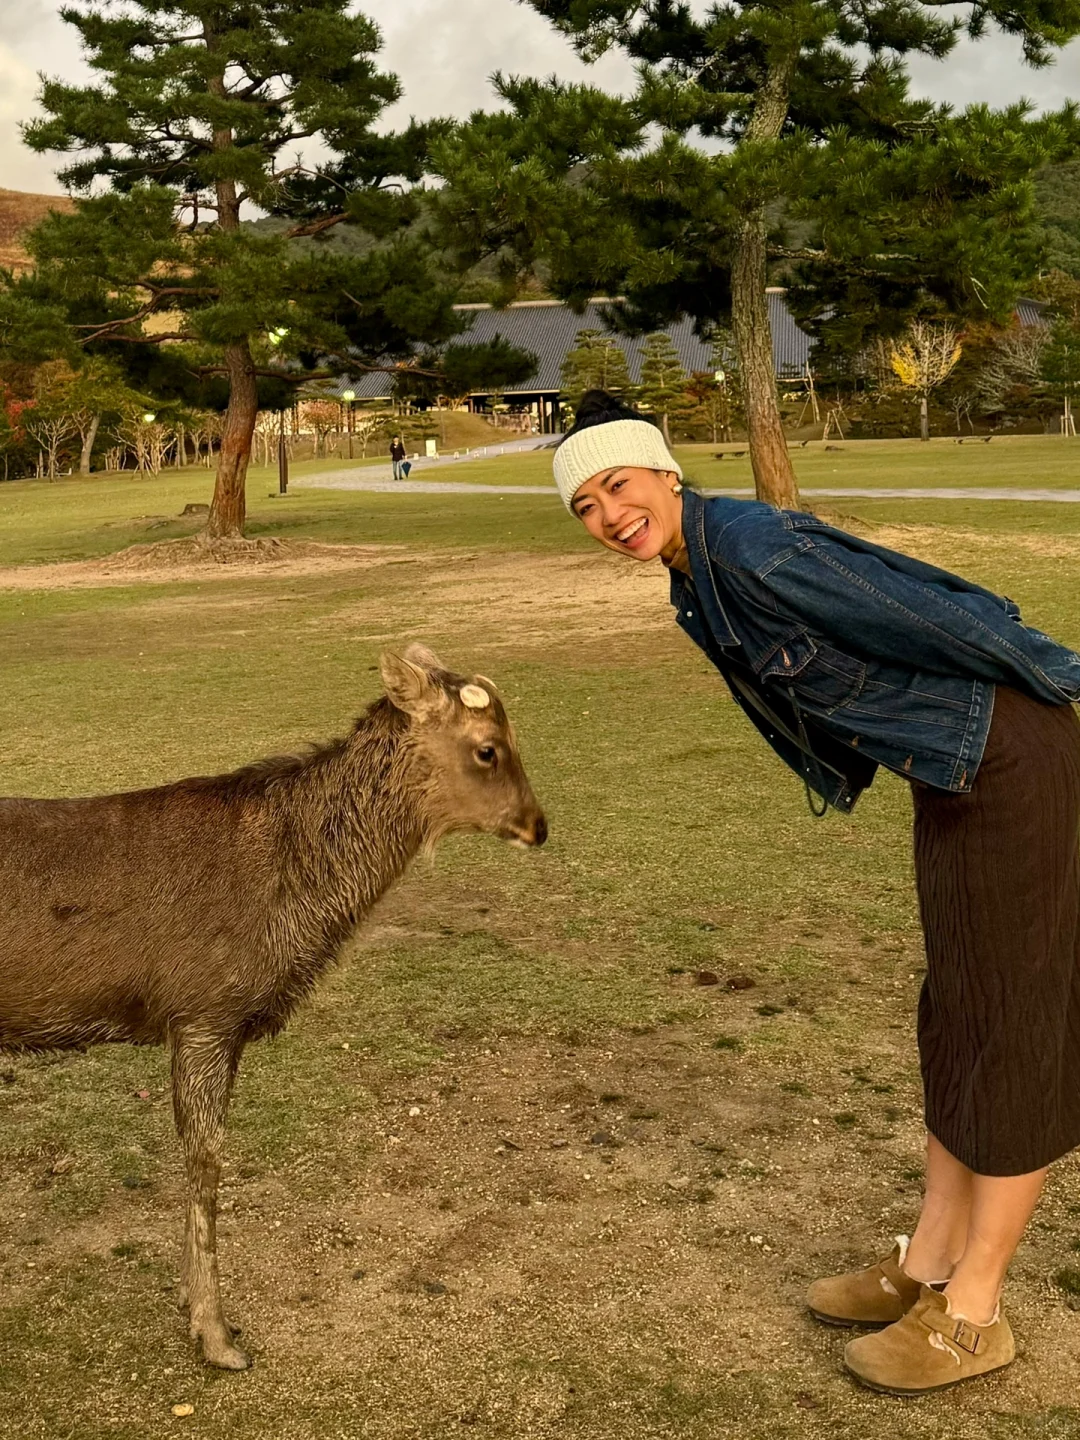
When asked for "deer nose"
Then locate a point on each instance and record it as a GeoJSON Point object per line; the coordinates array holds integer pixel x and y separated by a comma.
{"type": "Point", "coordinates": [540, 831]}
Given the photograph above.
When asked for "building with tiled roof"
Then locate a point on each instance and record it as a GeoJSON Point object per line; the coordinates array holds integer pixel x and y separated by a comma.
{"type": "Point", "coordinates": [549, 328]}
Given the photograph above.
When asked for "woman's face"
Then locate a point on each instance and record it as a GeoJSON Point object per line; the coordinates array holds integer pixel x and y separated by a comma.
{"type": "Point", "coordinates": [632, 511]}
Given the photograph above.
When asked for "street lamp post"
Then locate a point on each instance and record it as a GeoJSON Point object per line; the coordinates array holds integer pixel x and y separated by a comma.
{"type": "Point", "coordinates": [349, 396]}
{"type": "Point", "coordinates": [282, 459]}
{"type": "Point", "coordinates": [275, 337]}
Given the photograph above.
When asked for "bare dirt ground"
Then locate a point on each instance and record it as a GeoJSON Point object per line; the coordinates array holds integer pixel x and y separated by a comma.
{"type": "Point", "coordinates": [196, 558]}
{"type": "Point", "coordinates": [173, 561]}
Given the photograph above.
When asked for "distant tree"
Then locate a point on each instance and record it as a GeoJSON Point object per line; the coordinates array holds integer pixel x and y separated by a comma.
{"type": "Point", "coordinates": [663, 381]}
{"type": "Point", "coordinates": [1057, 204]}
{"type": "Point", "coordinates": [597, 362]}
{"type": "Point", "coordinates": [923, 359]}
{"type": "Point", "coordinates": [459, 369]}
{"type": "Point", "coordinates": [146, 438]}
{"type": "Point", "coordinates": [1011, 368]}
{"type": "Point", "coordinates": [90, 394]}
{"type": "Point", "coordinates": [323, 419]}
{"type": "Point", "coordinates": [14, 439]}
{"type": "Point", "coordinates": [744, 113]}
{"type": "Point", "coordinates": [196, 109]}
{"type": "Point", "coordinates": [712, 404]}
{"type": "Point", "coordinates": [369, 428]}
{"type": "Point", "coordinates": [1059, 368]}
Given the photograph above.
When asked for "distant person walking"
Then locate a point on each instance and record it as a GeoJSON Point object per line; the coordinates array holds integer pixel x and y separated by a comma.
{"type": "Point", "coordinates": [397, 457]}
{"type": "Point", "coordinates": [846, 656]}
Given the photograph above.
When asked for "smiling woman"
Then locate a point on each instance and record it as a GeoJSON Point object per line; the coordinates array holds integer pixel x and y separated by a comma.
{"type": "Point", "coordinates": [845, 657]}
{"type": "Point", "coordinates": [632, 507]}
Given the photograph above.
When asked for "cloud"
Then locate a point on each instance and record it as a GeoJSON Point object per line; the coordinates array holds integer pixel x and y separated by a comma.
{"type": "Point", "coordinates": [20, 168]}
{"type": "Point", "coordinates": [992, 72]}
{"type": "Point", "coordinates": [33, 38]}
{"type": "Point", "coordinates": [445, 54]}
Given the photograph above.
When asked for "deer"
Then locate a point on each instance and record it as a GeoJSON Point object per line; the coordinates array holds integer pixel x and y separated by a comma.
{"type": "Point", "coordinates": [199, 914]}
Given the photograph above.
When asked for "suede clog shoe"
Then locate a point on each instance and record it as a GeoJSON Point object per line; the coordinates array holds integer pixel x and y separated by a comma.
{"type": "Point", "coordinates": [929, 1349]}
{"type": "Point", "coordinates": [877, 1296]}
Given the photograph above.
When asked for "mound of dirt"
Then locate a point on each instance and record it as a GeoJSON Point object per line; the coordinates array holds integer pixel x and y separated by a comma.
{"type": "Point", "coordinates": [194, 556]}
{"type": "Point", "coordinates": [202, 550]}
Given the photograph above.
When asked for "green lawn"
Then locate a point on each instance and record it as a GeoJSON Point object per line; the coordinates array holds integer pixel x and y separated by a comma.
{"type": "Point", "coordinates": [489, 1266]}
{"type": "Point", "coordinates": [75, 519]}
{"type": "Point", "coordinates": [1024, 461]}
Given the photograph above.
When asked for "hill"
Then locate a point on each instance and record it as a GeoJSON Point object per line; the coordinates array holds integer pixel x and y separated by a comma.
{"type": "Point", "coordinates": [20, 212]}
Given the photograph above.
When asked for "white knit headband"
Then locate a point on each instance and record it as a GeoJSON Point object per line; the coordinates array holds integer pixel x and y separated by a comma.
{"type": "Point", "coordinates": [603, 447]}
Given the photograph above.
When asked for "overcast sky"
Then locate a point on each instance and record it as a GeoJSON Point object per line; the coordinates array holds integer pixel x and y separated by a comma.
{"type": "Point", "coordinates": [445, 51]}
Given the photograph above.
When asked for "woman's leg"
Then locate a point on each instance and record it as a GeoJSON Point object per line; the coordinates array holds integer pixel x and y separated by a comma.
{"type": "Point", "coordinates": [941, 1235]}
{"type": "Point", "coordinates": [1001, 1206]}
{"type": "Point", "coordinates": [968, 1230]}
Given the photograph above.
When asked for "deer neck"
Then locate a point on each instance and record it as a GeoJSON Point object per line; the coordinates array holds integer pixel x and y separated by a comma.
{"type": "Point", "coordinates": [354, 819]}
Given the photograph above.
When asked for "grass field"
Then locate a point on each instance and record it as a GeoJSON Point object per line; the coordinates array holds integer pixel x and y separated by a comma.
{"type": "Point", "coordinates": [602, 1220]}
{"type": "Point", "coordinates": [1024, 461]}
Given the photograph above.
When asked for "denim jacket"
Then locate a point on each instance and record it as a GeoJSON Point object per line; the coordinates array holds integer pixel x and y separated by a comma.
{"type": "Point", "coordinates": [847, 656]}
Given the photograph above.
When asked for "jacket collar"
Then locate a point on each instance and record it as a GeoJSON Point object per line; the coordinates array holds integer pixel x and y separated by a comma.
{"type": "Point", "coordinates": [701, 571]}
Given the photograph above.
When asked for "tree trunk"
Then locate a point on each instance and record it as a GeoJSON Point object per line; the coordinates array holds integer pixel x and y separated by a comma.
{"type": "Point", "coordinates": [924, 418]}
{"type": "Point", "coordinates": [228, 507]}
{"type": "Point", "coordinates": [774, 477]}
{"type": "Point", "coordinates": [88, 445]}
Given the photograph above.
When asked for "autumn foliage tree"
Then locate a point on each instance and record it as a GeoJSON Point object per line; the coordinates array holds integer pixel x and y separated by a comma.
{"type": "Point", "coordinates": [922, 359]}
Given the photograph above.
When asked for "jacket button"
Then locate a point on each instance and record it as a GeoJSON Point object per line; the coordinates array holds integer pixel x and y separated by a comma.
{"type": "Point", "coordinates": [689, 614]}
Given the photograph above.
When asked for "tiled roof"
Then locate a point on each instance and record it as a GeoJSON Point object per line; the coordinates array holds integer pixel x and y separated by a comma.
{"type": "Point", "coordinates": [548, 328]}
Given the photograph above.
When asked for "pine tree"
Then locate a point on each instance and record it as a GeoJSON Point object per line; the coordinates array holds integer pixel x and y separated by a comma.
{"type": "Point", "coordinates": [663, 381]}
{"type": "Point", "coordinates": [1060, 367]}
{"type": "Point", "coordinates": [597, 362]}
{"type": "Point", "coordinates": [1057, 200]}
{"type": "Point", "coordinates": [804, 111]}
{"type": "Point", "coordinates": [196, 105]}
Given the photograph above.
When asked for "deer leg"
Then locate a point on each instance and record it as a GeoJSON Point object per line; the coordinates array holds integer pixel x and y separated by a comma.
{"type": "Point", "coordinates": [203, 1070]}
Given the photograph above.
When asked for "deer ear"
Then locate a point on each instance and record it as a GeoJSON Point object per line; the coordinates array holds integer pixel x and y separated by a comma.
{"type": "Point", "coordinates": [420, 655]}
{"type": "Point", "coordinates": [408, 685]}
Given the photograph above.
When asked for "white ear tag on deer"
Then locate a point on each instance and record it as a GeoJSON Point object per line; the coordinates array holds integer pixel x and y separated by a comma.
{"type": "Point", "coordinates": [474, 697]}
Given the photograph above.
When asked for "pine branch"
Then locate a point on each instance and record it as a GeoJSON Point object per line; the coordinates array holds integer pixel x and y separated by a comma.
{"type": "Point", "coordinates": [109, 327]}
{"type": "Point", "coordinates": [166, 133]}
{"type": "Point", "coordinates": [138, 339]}
{"type": "Point", "coordinates": [316, 227]}
{"type": "Point", "coordinates": [823, 257]}
{"type": "Point", "coordinates": [145, 283]}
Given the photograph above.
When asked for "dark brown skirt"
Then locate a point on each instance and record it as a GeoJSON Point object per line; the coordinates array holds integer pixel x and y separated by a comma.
{"type": "Point", "coordinates": [998, 876]}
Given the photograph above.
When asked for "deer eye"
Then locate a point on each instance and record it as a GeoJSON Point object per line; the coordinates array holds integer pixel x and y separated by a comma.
{"type": "Point", "coordinates": [485, 754]}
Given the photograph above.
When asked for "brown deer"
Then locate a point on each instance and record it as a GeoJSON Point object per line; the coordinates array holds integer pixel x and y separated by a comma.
{"type": "Point", "coordinates": [199, 914]}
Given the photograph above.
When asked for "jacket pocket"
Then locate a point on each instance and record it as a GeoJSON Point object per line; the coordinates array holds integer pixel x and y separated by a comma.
{"type": "Point", "coordinates": [822, 676]}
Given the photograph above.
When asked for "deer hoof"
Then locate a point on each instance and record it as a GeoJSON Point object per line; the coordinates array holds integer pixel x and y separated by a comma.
{"type": "Point", "coordinates": [225, 1355]}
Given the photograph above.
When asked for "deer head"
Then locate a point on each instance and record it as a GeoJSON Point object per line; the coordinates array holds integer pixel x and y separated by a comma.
{"type": "Point", "coordinates": [461, 734]}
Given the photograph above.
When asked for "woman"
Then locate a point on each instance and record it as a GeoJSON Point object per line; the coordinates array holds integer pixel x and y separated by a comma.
{"type": "Point", "coordinates": [846, 657]}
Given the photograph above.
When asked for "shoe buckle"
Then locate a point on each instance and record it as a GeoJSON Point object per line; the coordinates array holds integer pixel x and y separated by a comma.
{"type": "Point", "coordinates": [967, 1337]}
